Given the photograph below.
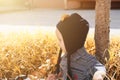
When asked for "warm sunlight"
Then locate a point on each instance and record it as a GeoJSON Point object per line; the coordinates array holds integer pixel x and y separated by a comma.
{"type": "Point", "coordinates": [6, 29]}
{"type": "Point", "coordinates": [8, 2]}
{"type": "Point", "coordinates": [30, 49]}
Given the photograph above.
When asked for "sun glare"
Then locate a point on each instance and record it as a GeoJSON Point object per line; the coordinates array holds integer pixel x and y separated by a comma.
{"type": "Point", "coordinates": [10, 2]}
{"type": "Point", "coordinates": [6, 29]}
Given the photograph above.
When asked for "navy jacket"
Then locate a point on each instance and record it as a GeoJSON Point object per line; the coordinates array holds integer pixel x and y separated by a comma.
{"type": "Point", "coordinates": [83, 65]}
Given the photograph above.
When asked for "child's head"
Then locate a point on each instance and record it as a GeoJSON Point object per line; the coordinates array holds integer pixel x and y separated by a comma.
{"type": "Point", "coordinates": [72, 32]}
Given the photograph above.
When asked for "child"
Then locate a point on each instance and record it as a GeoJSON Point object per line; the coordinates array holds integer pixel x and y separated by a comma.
{"type": "Point", "coordinates": [76, 63]}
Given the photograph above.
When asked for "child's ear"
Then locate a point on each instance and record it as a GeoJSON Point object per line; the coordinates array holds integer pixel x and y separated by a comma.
{"type": "Point", "coordinates": [63, 17]}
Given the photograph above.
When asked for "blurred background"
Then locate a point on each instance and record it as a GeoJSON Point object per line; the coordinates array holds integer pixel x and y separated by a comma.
{"type": "Point", "coordinates": [48, 12]}
{"type": "Point", "coordinates": [61, 4]}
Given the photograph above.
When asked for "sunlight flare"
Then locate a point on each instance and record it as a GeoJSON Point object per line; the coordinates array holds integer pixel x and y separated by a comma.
{"type": "Point", "coordinates": [6, 29]}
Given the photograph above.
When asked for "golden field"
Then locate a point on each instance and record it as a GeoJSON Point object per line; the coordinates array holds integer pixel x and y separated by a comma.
{"type": "Point", "coordinates": [36, 54]}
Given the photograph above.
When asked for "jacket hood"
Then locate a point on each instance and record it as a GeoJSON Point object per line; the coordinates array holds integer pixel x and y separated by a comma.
{"type": "Point", "coordinates": [74, 31]}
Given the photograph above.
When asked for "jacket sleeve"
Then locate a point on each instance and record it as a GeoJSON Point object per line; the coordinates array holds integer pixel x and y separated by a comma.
{"type": "Point", "coordinates": [97, 67]}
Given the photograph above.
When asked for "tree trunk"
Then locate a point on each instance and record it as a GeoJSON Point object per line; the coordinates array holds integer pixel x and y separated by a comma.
{"type": "Point", "coordinates": [102, 29]}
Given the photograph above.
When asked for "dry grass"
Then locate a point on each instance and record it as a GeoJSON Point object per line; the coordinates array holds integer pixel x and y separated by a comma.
{"type": "Point", "coordinates": [113, 65]}
{"type": "Point", "coordinates": [35, 54]}
{"type": "Point", "coordinates": [24, 52]}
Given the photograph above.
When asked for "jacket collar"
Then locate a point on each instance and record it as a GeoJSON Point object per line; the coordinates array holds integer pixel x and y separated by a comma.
{"type": "Point", "coordinates": [79, 53]}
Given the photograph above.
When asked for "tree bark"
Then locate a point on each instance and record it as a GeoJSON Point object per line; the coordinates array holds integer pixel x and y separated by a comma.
{"type": "Point", "coordinates": [102, 29]}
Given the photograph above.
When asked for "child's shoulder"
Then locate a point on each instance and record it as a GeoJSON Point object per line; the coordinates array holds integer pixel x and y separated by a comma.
{"type": "Point", "coordinates": [82, 54]}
